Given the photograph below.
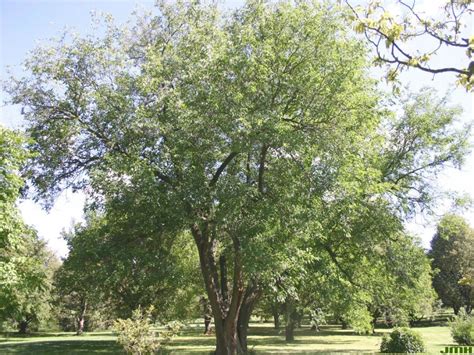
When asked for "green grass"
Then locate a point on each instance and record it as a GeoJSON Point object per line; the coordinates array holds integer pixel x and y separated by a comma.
{"type": "Point", "coordinates": [263, 339]}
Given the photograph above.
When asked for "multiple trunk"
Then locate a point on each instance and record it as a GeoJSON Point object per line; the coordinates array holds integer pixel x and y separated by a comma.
{"type": "Point", "coordinates": [231, 302]}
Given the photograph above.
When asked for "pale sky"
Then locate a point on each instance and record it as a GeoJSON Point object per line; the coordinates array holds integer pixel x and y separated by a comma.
{"type": "Point", "coordinates": [24, 22]}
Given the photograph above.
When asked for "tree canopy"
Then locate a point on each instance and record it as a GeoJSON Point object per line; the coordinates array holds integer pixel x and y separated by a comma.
{"type": "Point", "coordinates": [452, 258]}
{"type": "Point", "coordinates": [257, 134]}
{"type": "Point", "coordinates": [25, 262]}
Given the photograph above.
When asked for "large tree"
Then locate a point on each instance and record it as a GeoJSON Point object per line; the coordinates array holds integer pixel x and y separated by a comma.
{"type": "Point", "coordinates": [231, 128]}
{"type": "Point", "coordinates": [452, 251]}
{"type": "Point", "coordinates": [25, 262]}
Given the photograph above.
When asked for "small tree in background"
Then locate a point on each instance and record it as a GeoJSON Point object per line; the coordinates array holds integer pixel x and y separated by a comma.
{"type": "Point", "coordinates": [136, 334]}
{"type": "Point", "coordinates": [462, 329]}
{"type": "Point", "coordinates": [452, 253]}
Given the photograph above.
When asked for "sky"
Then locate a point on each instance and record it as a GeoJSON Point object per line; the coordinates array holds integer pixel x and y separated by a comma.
{"type": "Point", "coordinates": [25, 23]}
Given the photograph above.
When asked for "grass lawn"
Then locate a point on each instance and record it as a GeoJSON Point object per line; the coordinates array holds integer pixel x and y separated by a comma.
{"type": "Point", "coordinates": [263, 339]}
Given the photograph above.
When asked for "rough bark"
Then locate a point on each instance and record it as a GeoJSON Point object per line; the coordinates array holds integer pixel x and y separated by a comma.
{"type": "Point", "coordinates": [225, 311]}
{"type": "Point", "coordinates": [251, 297]}
{"type": "Point", "coordinates": [224, 282]}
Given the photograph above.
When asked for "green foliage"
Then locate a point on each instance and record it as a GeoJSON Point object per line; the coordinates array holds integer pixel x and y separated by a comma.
{"type": "Point", "coordinates": [402, 340]}
{"type": "Point", "coordinates": [359, 319]}
{"type": "Point", "coordinates": [259, 136]}
{"type": "Point", "coordinates": [12, 248]}
{"type": "Point", "coordinates": [97, 275]}
{"type": "Point", "coordinates": [403, 294]}
{"type": "Point", "coordinates": [452, 253]}
{"type": "Point", "coordinates": [172, 330]}
{"type": "Point", "coordinates": [26, 265]}
{"type": "Point", "coordinates": [462, 329]}
{"type": "Point", "coordinates": [136, 334]}
{"type": "Point", "coordinates": [396, 31]}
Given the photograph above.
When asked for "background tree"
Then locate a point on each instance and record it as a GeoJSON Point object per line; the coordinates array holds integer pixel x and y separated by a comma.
{"type": "Point", "coordinates": [26, 265]}
{"type": "Point", "coordinates": [110, 270]}
{"type": "Point", "coordinates": [77, 281]}
{"type": "Point", "coordinates": [451, 253]}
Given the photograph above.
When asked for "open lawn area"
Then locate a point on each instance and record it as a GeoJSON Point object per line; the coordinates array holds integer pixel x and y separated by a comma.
{"type": "Point", "coordinates": [263, 340]}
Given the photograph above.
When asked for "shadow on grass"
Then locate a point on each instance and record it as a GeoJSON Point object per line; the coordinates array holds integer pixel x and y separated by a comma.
{"type": "Point", "coordinates": [63, 347]}
{"type": "Point", "coordinates": [300, 341]}
{"type": "Point", "coordinates": [306, 331]}
{"type": "Point", "coordinates": [16, 335]}
{"type": "Point", "coordinates": [193, 341]}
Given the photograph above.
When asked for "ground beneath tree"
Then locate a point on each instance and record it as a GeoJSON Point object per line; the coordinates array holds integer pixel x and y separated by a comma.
{"type": "Point", "coordinates": [263, 340]}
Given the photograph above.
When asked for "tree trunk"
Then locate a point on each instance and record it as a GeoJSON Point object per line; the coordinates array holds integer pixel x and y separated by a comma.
{"type": "Point", "coordinates": [468, 308]}
{"type": "Point", "coordinates": [207, 324]}
{"type": "Point", "coordinates": [225, 310]}
{"type": "Point", "coordinates": [80, 326]}
{"type": "Point", "coordinates": [276, 319]}
{"type": "Point", "coordinates": [315, 323]}
{"type": "Point", "coordinates": [251, 297]}
{"type": "Point", "coordinates": [456, 310]}
{"type": "Point", "coordinates": [289, 331]}
{"type": "Point", "coordinates": [23, 327]}
{"type": "Point", "coordinates": [81, 317]}
{"type": "Point", "coordinates": [224, 283]}
{"type": "Point", "coordinates": [373, 323]}
{"type": "Point", "coordinates": [227, 342]}
{"type": "Point", "coordinates": [290, 321]}
{"type": "Point", "coordinates": [376, 313]}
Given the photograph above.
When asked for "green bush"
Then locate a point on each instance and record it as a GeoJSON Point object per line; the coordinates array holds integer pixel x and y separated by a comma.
{"type": "Point", "coordinates": [462, 329]}
{"type": "Point", "coordinates": [402, 340]}
{"type": "Point", "coordinates": [172, 329]}
{"type": "Point", "coordinates": [135, 334]}
{"type": "Point", "coordinates": [359, 319]}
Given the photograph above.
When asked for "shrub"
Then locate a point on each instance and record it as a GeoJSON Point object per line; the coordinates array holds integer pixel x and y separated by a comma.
{"type": "Point", "coordinates": [402, 340]}
{"type": "Point", "coordinates": [172, 329]}
{"type": "Point", "coordinates": [462, 329]}
{"type": "Point", "coordinates": [135, 334]}
{"type": "Point", "coordinates": [360, 320]}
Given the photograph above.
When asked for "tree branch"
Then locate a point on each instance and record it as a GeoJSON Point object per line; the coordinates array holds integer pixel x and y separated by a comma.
{"type": "Point", "coordinates": [261, 169]}
{"type": "Point", "coordinates": [221, 168]}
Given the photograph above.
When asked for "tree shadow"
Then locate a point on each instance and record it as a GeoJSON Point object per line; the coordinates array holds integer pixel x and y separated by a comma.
{"type": "Point", "coordinates": [63, 347]}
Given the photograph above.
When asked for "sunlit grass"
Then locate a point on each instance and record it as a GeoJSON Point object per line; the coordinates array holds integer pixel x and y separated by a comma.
{"type": "Point", "coordinates": [263, 339]}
